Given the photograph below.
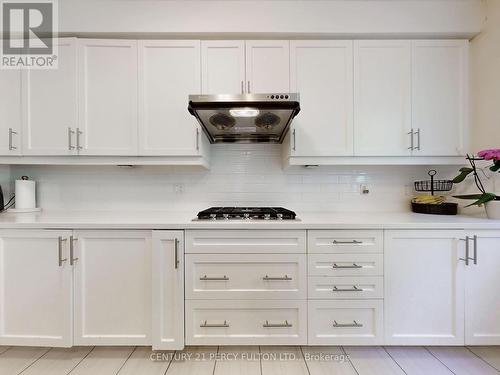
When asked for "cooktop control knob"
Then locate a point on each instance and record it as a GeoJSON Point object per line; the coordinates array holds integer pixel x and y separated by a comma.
{"type": "Point", "coordinates": [279, 216]}
{"type": "Point", "coordinates": [267, 216]}
{"type": "Point", "coordinates": [246, 216]}
{"type": "Point", "coordinates": [213, 216]}
{"type": "Point", "coordinates": [225, 216]}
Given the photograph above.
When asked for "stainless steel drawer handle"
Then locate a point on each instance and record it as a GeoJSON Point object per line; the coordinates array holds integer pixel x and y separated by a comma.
{"type": "Point", "coordinates": [11, 143]}
{"type": "Point", "coordinates": [354, 265]}
{"type": "Point", "coordinates": [354, 324]}
{"type": "Point", "coordinates": [205, 324]}
{"type": "Point", "coordinates": [206, 278]}
{"type": "Point", "coordinates": [353, 289]}
{"type": "Point", "coordinates": [353, 242]}
{"type": "Point", "coordinates": [60, 251]}
{"type": "Point", "coordinates": [278, 325]}
{"type": "Point", "coordinates": [284, 278]}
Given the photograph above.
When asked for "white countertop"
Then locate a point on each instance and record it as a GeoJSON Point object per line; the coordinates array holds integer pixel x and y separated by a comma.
{"type": "Point", "coordinates": [184, 220]}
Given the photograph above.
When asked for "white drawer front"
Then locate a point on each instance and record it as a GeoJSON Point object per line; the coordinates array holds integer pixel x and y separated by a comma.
{"type": "Point", "coordinates": [245, 241]}
{"type": "Point", "coordinates": [246, 276]}
{"type": "Point", "coordinates": [246, 322]}
{"type": "Point", "coordinates": [345, 322]}
{"type": "Point", "coordinates": [346, 264]}
{"type": "Point", "coordinates": [345, 241]}
{"type": "Point", "coordinates": [347, 287]}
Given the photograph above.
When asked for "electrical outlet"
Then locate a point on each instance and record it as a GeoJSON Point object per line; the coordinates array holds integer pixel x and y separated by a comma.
{"type": "Point", "coordinates": [178, 188]}
{"type": "Point", "coordinates": [364, 190]}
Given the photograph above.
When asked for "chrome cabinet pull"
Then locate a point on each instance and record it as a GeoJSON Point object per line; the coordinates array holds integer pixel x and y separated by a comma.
{"type": "Point", "coordinates": [353, 242]}
{"type": "Point", "coordinates": [466, 259]}
{"type": "Point", "coordinates": [354, 265]}
{"type": "Point", "coordinates": [78, 133]}
{"type": "Point", "coordinates": [418, 139]}
{"type": "Point", "coordinates": [11, 143]}
{"type": "Point", "coordinates": [475, 249]}
{"type": "Point", "coordinates": [410, 133]}
{"type": "Point", "coordinates": [285, 324]}
{"type": "Point", "coordinates": [176, 253]}
{"type": "Point", "coordinates": [294, 140]}
{"type": "Point", "coordinates": [70, 140]}
{"type": "Point", "coordinates": [354, 324]}
{"type": "Point", "coordinates": [284, 278]}
{"type": "Point", "coordinates": [197, 139]}
{"type": "Point", "coordinates": [248, 87]}
{"type": "Point", "coordinates": [242, 87]}
{"type": "Point", "coordinates": [72, 258]}
{"type": "Point", "coordinates": [60, 251]}
{"type": "Point", "coordinates": [206, 278]}
{"type": "Point", "coordinates": [205, 324]}
{"type": "Point", "coordinates": [354, 289]}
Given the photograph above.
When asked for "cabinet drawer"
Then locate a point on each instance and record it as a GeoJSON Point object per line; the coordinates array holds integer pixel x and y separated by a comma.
{"type": "Point", "coordinates": [246, 322]}
{"type": "Point", "coordinates": [245, 241]}
{"type": "Point", "coordinates": [345, 322]}
{"type": "Point", "coordinates": [345, 241]}
{"type": "Point", "coordinates": [346, 264]}
{"type": "Point", "coordinates": [347, 287]}
{"type": "Point", "coordinates": [246, 276]}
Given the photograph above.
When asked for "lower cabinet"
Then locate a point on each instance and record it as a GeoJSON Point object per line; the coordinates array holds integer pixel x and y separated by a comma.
{"type": "Point", "coordinates": [36, 288]}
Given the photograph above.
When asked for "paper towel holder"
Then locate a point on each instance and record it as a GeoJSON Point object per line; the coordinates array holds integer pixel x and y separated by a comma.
{"type": "Point", "coordinates": [24, 210]}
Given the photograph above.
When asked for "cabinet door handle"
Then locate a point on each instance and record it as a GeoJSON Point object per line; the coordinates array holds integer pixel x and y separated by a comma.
{"type": "Point", "coordinates": [176, 253]}
{"type": "Point", "coordinates": [205, 324]}
{"type": "Point", "coordinates": [410, 133]}
{"type": "Point", "coordinates": [206, 278]}
{"type": "Point", "coordinates": [248, 87]}
{"type": "Point", "coordinates": [354, 324]}
{"type": "Point", "coordinates": [11, 143]}
{"type": "Point", "coordinates": [197, 139]}
{"type": "Point", "coordinates": [353, 289]}
{"type": "Point", "coordinates": [70, 139]}
{"type": "Point", "coordinates": [284, 278]}
{"type": "Point", "coordinates": [242, 87]}
{"type": "Point", "coordinates": [466, 259]}
{"type": "Point", "coordinates": [72, 258]}
{"type": "Point", "coordinates": [60, 241]}
{"type": "Point", "coordinates": [285, 324]}
{"type": "Point", "coordinates": [78, 133]}
{"type": "Point", "coordinates": [475, 249]}
{"type": "Point", "coordinates": [294, 140]}
{"type": "Point", "coordinates": [418, 139]}
{"type": "Point", "coordinates": [354, 265]}
{"type": "Point", "coordinates": [353, 242]}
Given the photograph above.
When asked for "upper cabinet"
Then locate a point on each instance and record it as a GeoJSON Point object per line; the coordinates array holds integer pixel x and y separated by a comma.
{"type": "Point", "coordinates": [223, 67]}
{"type": "Point", "coordinates": [108, 97]}
{"type": "Point", "coordinates": [322, 72]}
{"type": "Point", "coordinates": [382, 97]}
{"type": "Point", "coordinates": [10, 112]}
{"type": "Point", "coordinates": [168, 72]}
{"type": "Point", "coordinates": [439, 96]}
{"type": "Point", "coordinates": [50, 101]}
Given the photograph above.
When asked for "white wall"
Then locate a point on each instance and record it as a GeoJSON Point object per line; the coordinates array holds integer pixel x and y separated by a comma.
{"type": "Point", "coordinates": [461, 18]}
{"type": "Point", "coordinates": [485, 81]}
{"type": "Point", "coordinates": [240, 175]}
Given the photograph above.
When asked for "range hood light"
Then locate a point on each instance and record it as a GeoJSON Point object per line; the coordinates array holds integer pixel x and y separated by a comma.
{"type": "Point", "coordinates": [244, 112]}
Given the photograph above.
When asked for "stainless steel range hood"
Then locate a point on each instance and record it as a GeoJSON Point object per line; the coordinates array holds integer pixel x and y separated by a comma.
{"type": "Point", "coordinates": [246, 118]}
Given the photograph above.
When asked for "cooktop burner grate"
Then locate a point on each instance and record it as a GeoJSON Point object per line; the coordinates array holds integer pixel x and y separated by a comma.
{"type": "Point", "coordinates": [260, 213]}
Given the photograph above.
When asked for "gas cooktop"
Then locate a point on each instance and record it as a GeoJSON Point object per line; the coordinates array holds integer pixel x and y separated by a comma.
{"type": "Point", "coordinates": [246, 213]}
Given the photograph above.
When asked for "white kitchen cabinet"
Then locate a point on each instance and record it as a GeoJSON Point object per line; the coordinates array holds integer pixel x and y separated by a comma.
{"type": "Point", "coordinates": [108, 77]}
{"type": "Point", "coordinates": [382, 97]}
{"type": "Point", "coordinates": [10, 112]}
{"type": "Point", "coordinates": [36, 288]}
{"type": "Point", "coordinates": [168, 290]}
{"type": "Point", "coordinates": [439, 96]}
{"type": "Point", "coordinates": [50, 105]}
{"type": "Point", "coordinates": [267, 66]}
{"type": "Point", "coordinates": [322, 72]}
{"type": "Point", "coordinates": [424, 287]}
{"type": "Point", "coordinates": [482, 299]}
{"type": "Point", "coordinates": [112, 271]}
{"type": "Point", "coordinates": [169, 71]}
{"type": "Point", "coordinates": [223, 67]}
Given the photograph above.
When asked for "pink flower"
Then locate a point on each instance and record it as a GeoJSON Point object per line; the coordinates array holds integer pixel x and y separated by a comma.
{"type": "Point", "coordinates": [489, 154]}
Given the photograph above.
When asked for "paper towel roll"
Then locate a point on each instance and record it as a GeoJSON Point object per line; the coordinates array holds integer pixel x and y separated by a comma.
{"type": "Point", "coordinates": [25, 194]}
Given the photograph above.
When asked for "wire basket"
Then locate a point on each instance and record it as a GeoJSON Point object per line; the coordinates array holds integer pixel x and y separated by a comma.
{"type": "Point", "coordinates": [433, 185]}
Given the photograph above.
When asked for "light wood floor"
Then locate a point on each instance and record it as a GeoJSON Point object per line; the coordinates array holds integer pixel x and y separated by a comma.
{"type": "Point", "coordinates": [251, 361]}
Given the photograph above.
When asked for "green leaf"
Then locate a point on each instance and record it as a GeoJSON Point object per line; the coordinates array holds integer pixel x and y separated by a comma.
{"type": "Point", "coordinates": [486, 197]}
{"type": "Point", "coordinates": [464, 172]}
{"type": "Point", "coordinates": [469, 196]}
{"type": "Point", "coordinates": [495, 167]}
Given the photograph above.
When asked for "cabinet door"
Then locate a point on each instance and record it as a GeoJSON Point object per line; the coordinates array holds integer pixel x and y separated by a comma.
{"type": "Point", "coordinates": [10, 112]}
{"type": "Point", "coordinates": [382, 97]}
{"type": "Point", "coordinates": [267, 66]}
{"type": "Point", "coordinates": [424, 287]}
{"type": "Point", "coordinates": [168, 290]}
{"type": "Point", "coordinates": [108, 97]}
{"type": "Point", "coordinates": [112, 287]}
{"type": "Point", "coordinates": [482, 299]}
{"type": "Point", "coordinates": [223, 67]}
{"type": "Point", "coordinates": [439, 98]}
{"type": "Point", "coordinates": [51, 105]}
{"type": "Point", "coordinates": [321, 71]}
{"type": "Point", "coordinates": [169, 72]}
{"type": "Point", "coordinates": [35, 288]}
